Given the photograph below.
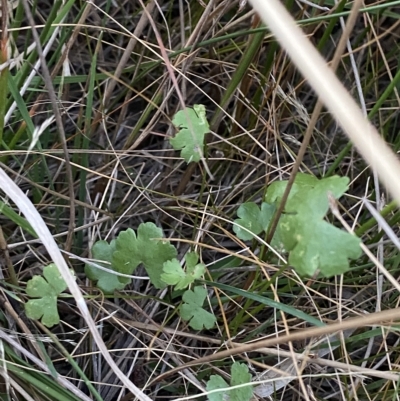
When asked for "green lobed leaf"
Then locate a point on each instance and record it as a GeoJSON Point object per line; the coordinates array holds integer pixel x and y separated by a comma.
{"type": "Point", "coordinates": [239, 375]}
{"type": "Point", "coordinates": [256, 220]}
{"type": "Point", "coordinates": [216, 382]}
{"type": "Point", "coordinates": [44, 308]}
{"type": "Point", "coordinates": [175, 275]}
{"type": "Point", "coordinates": [318, 245]}
{"type": "Point", "coordinates": [277, 188]}
{"type": "Point", "coordinates": [107, 282]}
{"type": "Point", "coordinates": [253, 218]}
{"type": "Point", "coordinates": [46, 289]}
{"type": "Point", "coordinates": [313, 199]}
{"type": "Point", "coordinates": [192, 309]}
{"type": "Point", "coordinates": [313, 243]}
{"type": "Point", "coordinates": [146, 248]}
{"type": "Point", "coordinates": [193, 126]}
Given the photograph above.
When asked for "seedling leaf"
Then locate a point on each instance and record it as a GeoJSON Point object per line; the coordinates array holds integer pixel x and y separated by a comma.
{"type": "Point", "coordinates": [312, 242]}
{"type": "Point", "coordinates": [239, 375]}
{"type": "Point", "coordinates": [215, 383]}
{"type": "Point", "coordinates": [175, 275]}
{"type": "Point", "coordinates": [252, 218]}
{"type": "Point", "coordinates": [302, 182]}
{"type": "Point", "coordinates": [319, 246]}
{"type": "Point", "coordinates": [192, 309]}
{"type": "Point", "coordinates": [107, 282]}
{"type": "Point", "coordinates": [46, 289]}
{"type": "Point", "coordinates": [192, 125]}
{"type": "Point", "coordinates": [146, 248]}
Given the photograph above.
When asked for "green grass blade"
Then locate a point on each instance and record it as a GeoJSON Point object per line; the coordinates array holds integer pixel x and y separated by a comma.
{"type": "Point", "coordinates": [269, 302]}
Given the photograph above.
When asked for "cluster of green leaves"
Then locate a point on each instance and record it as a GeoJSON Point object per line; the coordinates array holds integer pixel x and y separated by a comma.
{"type": "Point", "coordinates": [240, 376]}
{"type": "Point", "coordinates": [118, 259]}
{"type": "Point", "coordinates": [125, 253]}
{"type": "Point", "coordinates": [313, 243]}
{"type": "Point", "coordinates": [122, 256]}
{"type": "Point", "coordinates": [191, 309]}
{"type": "Point", "coordinates": [158, 256]}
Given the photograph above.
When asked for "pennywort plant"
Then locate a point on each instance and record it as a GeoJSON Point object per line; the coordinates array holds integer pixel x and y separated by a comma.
{"type": "Point", "coordinates": [313, 244]}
